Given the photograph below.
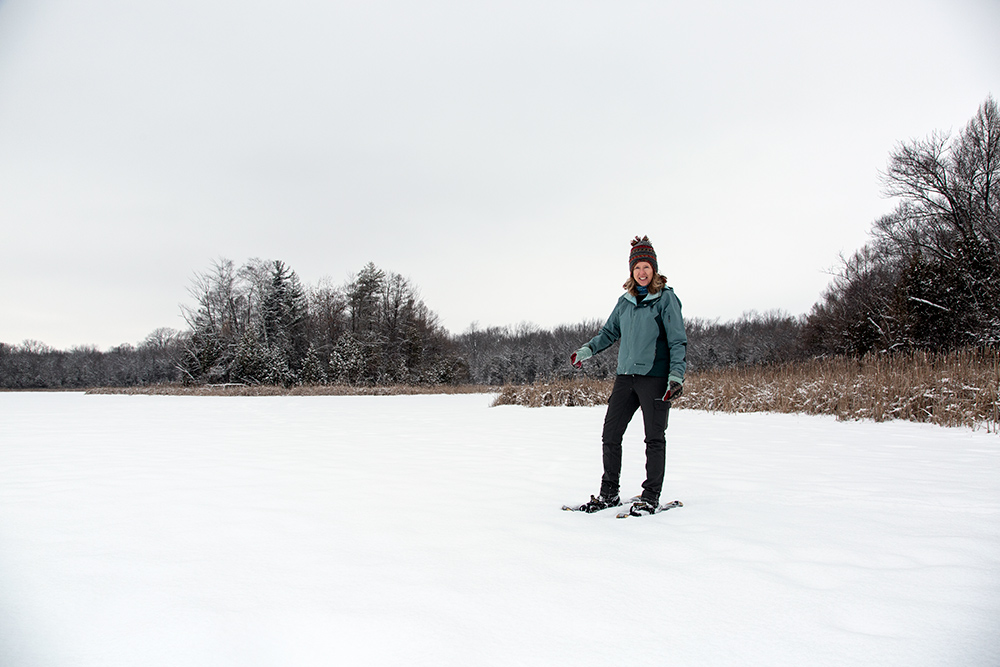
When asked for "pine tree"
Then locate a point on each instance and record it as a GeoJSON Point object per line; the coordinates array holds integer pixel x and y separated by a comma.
{"type": "Point", "coordinates": [347, 362]}
{"type": "Point", "coordinates": [363, 300]}
{"type": "Point", "coordinates": [313, 368]}
{"type": "Point", "coordinates": [249, 364]}
{"type": "Point", "coordinates": [283, 313]}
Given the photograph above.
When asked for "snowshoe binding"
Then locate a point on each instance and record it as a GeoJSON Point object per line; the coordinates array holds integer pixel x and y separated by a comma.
{"type": "Point", "coordinates": [595, 504]}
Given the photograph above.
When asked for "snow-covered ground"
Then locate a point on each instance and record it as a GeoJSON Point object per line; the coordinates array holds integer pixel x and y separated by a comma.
{"type": "Point", "coordinates": [426, 530]}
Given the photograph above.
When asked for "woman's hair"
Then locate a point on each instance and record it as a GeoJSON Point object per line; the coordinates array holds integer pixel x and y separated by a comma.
{"type": "Point", "coordinates": [655, 285]}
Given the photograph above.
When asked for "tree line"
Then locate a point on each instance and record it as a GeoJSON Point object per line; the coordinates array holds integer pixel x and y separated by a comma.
{"type": "Point", "coordinates": [335, 353]}
{"type": "Point", "coordinates": [929, 279]}
{"type": "Point", "coordinates": [34, 365]}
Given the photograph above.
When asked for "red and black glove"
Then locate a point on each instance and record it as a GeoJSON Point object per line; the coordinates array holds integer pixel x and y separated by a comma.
{"type": "Point", "coordinates": [581, 355]}
{"type": "Point", "coordinates": [674, 389]}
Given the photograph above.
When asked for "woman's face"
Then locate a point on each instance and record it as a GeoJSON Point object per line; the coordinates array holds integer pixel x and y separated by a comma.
{"type": "Point", "coordinates": [643, 273]}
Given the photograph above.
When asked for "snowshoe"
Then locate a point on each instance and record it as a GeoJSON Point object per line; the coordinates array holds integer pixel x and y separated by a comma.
{"type": "Point", "coordinates": [639, 506]}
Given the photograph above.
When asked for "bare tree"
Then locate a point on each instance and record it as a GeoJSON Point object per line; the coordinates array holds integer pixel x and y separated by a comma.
{"type": "Point", "coordinates": [930, 277]}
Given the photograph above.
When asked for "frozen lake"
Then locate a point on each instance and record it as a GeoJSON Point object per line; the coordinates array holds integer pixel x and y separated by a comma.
{"type": "Point", "coordinates": [426, 530]}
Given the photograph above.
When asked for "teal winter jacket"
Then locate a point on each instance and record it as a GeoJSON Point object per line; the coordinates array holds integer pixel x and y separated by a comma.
{"type": "Point", "coordinates": [653, 341]}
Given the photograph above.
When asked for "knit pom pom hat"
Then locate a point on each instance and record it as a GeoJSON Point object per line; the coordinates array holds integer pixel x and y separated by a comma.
{"type": "Point", "coordinates": [642, 251]}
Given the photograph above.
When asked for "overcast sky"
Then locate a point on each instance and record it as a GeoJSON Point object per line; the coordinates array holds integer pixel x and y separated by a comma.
{"type": "Point", "coordinates": [499, 154]}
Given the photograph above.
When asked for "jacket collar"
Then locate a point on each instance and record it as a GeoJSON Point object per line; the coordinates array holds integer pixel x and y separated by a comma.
{"type": "Point", "coordinates": [649, 298]}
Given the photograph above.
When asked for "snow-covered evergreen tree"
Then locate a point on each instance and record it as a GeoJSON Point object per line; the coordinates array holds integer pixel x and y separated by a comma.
{"type": "Point", "coordinates": [347, 363]}
{"type": "Point", "coordinates": [314, 369]}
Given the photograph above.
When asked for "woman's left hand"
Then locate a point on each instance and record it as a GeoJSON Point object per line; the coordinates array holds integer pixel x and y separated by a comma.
{"type": "Point", "coordinates": [674, 389]}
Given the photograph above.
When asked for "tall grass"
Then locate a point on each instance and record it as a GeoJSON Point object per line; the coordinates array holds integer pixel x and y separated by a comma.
{"type": "Point", "coordinates": [577, 391]}
{"type": "Point", "coordinates": [960, 388]}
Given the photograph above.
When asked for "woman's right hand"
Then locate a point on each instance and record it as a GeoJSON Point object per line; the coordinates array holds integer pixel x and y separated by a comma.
{"type": "Point", "coordinates": [581, 355]}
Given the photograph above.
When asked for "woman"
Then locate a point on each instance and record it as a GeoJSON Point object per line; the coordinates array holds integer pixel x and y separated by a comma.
{"type": "Point", "coordinates": [651, 364]}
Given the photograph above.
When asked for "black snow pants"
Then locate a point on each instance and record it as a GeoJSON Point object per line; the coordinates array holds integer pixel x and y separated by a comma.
{"type": "Point", "coordinates": [630, 393]}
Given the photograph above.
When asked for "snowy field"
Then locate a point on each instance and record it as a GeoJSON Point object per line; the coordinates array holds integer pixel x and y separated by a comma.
{"type": "Point", "coordinates": [426, 530]}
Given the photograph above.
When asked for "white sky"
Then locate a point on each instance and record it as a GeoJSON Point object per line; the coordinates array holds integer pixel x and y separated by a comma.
{"type": "Point", "coordinates": [499, 154]}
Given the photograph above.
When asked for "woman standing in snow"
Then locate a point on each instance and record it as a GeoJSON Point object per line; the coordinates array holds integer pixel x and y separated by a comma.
{"type": "Point", "coordinates": [651, 364]}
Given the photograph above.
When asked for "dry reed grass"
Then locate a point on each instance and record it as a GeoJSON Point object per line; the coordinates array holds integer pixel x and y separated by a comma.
{"type": "Point", "coordinates": [577, 391]}
{"type": "Point", "coordinates": [956, 389]}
